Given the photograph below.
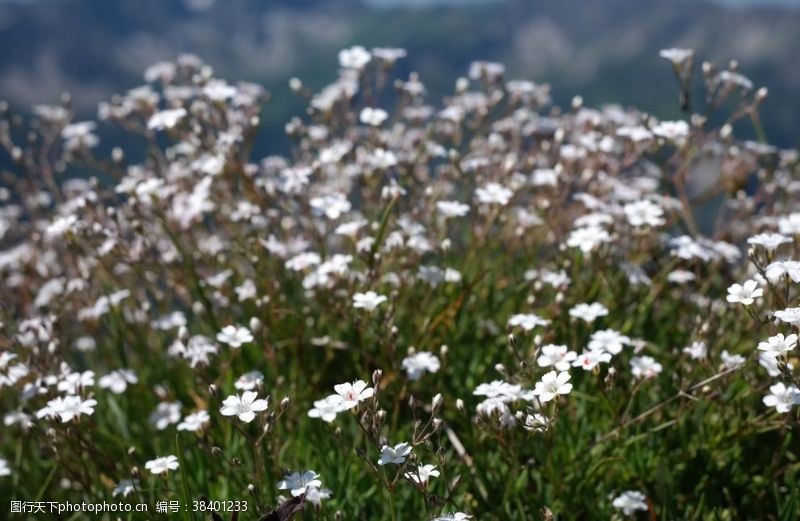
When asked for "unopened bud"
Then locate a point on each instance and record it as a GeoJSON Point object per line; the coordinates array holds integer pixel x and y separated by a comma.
{"type": "Point", "coordinates": [437, 402]}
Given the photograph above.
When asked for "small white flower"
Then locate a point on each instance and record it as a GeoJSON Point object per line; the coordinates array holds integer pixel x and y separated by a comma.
{"type": "Point", "coordinates": [782, 398]}
{"type": "Point", "coordinates": [551, 385]}
{"type": "Point", "coordinates": [369, 300]}
{"type": "Point", "coordinates": [327, 408]}
{"type": "Point", "coordinates": [5, 470]}
{"type": "Point", "coordinates": [162, 465]}
{"type": "Point", "coordinates": [778, 344]}
{"type": "Point", "coordinates": [697, 350]}
{"type": "Point", "coordinates": [125, 487]}
{"type": "Point", "coordinates": [455, 516]}
{"type": "Point", "coordinates": [527, 321]}
{"type": "Point", "coordinates": [396, 455]}
{"type": "Point", "coordinates": [731, 361]}
{"type": "Point", "coordinates": [494, 193]}
{"type": "Point", "coordinates": [556, 356]}
{"type": "Point", "coordinates": [630, 501]}
{"type": "Point", "coordinates": [422, 474]}
{"type": "Point", "coordinates": [769, 241]}
{"type": "Point", "coordinates": [588, 360]}
{"type": "Point", "coordinates": [588, 239]}
{"type": "Point", "coordinates": [608, 340]}
{"type": "Point", "coordinates": [415, 365]}
{"type": "Point", "coordinates": [331, 206]}
{"type": "Point", "coordinates": [789, 315]}
{"type": "Point", "coordinates": [166, 414]}
{"type": "Point", "coordinates": [352, 393]}
{"type": "Point", "coordinates": [644, 213]}
{"type": "Point", "coordinates": [298, 482]}
{"type": "Point", "coordinates": [194, 422]}
{"type": "Point", "coordinates": [249, 381]}
{"type": "Point", "coordinates": [588, 312]}
{"type": "Point", "coordinates": [166, 119]}
{"type": "Point", "coordinates": [372, 116]}
{"type": "Point", "coordinates": [235, 336]}
{"type": "Point", "coordinates": [645, 367]}
{"type": "Point", "coordinates": [676, 56]}
{"type": "Point", "coordinates": [117, 381]}
{"type": "Point", "coordinates": [355, 57]}
{"type": "Point", "coordinates": [452, 208]}
{"type": "Point", "coordinates": [744, 294]}
{"type": "Point", "coordinates": [244, 407]}
{"type": "Point", "coordinates": [790, 224]}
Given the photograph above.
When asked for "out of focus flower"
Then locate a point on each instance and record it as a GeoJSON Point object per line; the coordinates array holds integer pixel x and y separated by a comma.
{"type": "Point", "coordinates": [162, 465]}
{"type": "Point", "coordinates": [630, 501]}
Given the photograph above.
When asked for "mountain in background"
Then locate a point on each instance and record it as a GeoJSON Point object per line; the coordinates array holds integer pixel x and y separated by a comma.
{"type": "Point", "coordinates": [604, 50]}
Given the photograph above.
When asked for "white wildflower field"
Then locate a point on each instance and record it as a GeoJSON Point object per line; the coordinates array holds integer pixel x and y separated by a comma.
{"type": "Point", "coordinates": [482, 307]}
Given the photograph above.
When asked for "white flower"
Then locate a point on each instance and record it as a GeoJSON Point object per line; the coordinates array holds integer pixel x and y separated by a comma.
{"type": "Point", "coordinates": [67, 408]}
{"type": "Point", "coordinates": [452, 208]}
{"type": "Point", "coordinates": [235, 336]}
{"type": "Point", "coordinates": [498, 389]}
{"type": "Point", "coordinates": [331, 205]}
{"type": "Point", "coordinates": [680, 276]}
{"type": "Point", "coordinates": [166, 118]}
{"type": "Point", "coordinates": [608, 340]}
{"type": "Point", "coordinates": [161, 465]}
{"type": "Point", "coordinates": [744, 294]}
{"type": "Point", "coordinates": [676, 56]}
{"type": "Point", "coordinates": [117, 381]}
{"type": "Point", "coordinates": [415, 365]}
{"type": "Point", "coordinates": [125, 487]}
{"type": "Point", "coordinates": [396, 455]}
{"type": "Point", "coordinates": [369, 300]}
{"type": "Point", "coordinates": [5, 470]}
{"type": "Point", "coordinates": [194, 422]}
{"type": "Point", "coordinates": [644, 213]}
{"type": "Point", "coordinates": [244, 407]}
{"type": "Point", "coordinates": [731, 361]}
{"type": "Point", "coordinates": [778, 344]}
{"type": "Point", "coordinates": [455, 516]}
{"type": "Point", "coordinates": [672, 130]}
{"type": "Point", "coordinates": [769, 241]}
{"type": "Point", "coordinates": [782, 397]}
{"type": "Point", "coordinates": [779, 269]}
{"type": "Point", "coordinates": [327, 408]}
{"type": "Point", "coordinates": [588, 360]}
{"type": "Point", "coordinates": [355, 57]}
{"type": "Point", "coordinates": [644, 367]}
{"type": "Point", "coordinates": [527, 321]}
{"type": "Point", "coordinates": [557, 356]}
{"type": "Point", "coordinates": [298, 482]}
{"type": "Point", "coordinates": [588, 239]}
{"type": "Point", "coordinates": [536, 422]}
{"type": "Point", "coordinates": [315, 495]}
{"type": "Point", "coordinates": [249, 381]}
{"type": "Point", "coordinates": [551, 385]}
{"type": "Point", "coordinates": [790, 224]}
{"type": "Point", "coordinates": [697, 350]}
{"type": "Point", "coordinates": [352, 393]}
{"type": "Point", "coordinates": [372, 116]}
{"type": "Point", "coordinates": [789, 315]}
{"type": "Point", "coordinates": [629, 502]}
{"type": "Point", "coordinates": [422, 474]}
{"type": "Point", "coordinates": [166, 413]}
{"type": "Point", "coordinates": [494, 193]}
{"type": "Point", "coordinates": [588, 312]}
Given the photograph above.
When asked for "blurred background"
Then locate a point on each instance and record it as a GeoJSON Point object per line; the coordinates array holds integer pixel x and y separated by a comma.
{"type": "Point", "coordinates": [604, 50]}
